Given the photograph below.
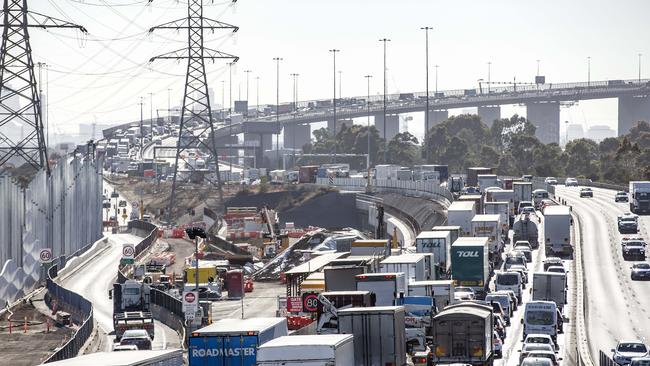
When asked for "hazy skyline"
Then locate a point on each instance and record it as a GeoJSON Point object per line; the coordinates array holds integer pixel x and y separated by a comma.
{"type": "Point", "coordinates": [104, 79]}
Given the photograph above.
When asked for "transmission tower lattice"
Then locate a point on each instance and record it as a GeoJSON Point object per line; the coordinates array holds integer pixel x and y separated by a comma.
{"type": "Point", "coordinates": [21, 119]}
{"type": "Point", "coordinates": [196, 100]}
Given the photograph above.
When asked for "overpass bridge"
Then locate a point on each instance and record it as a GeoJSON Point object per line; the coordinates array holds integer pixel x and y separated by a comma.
{"type": "Point", "coordinates": [542, 102]}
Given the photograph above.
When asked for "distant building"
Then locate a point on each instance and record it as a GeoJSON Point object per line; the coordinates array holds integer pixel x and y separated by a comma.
{"type": "Point", "coordinates": [575, 131]}
{"type": "Point", "coordinates": [600, 132]}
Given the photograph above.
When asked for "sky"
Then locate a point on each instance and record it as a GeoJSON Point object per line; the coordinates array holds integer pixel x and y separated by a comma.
{"type": "Point", "coordinates": [102, 76]}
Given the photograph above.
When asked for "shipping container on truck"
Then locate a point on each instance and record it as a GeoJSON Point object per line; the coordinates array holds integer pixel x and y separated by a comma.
{"type": "Point", "coordinates": [454, 230]}
{"type": "Point", "coordinates": [472, 175]}
{"type": "Point", "coordinates": [415, 266]}
{"type": "Point", "coordinates": [341, 278]}
{"type": "Point", "coordinates": [442, 291]}
{"type": "Point", "coordinates": [461, 214]}
{"type": "Point", "coordinates": [233, 341]}
{"type": "Point", "coordinates": [386, 286]}
{"type": "Point", "coordinates": [376, 247]}
{"type": "Point", "coordinates": [307, 174]}
{"type": "Point", "coordinates": [469, 263]}
{"type": "Point", "coordinates": [523, 192]}
{"type": "Point", "coordinates": [499, 208]}
{"type": "Point", "coordinates": [307, 350]}
{"type": "Point", "coordinates": [476, 198]}
{"type": "Point", "coordinates": [557, 230]}
{"type": "Point", "coordinates": [386, 171]}
{"type": "Point", "coordinates": [489, 226]}
{"type": "Point", "coordinates": [504, 195]}
{"type": "Point", "coordinates": [379, 334]}
{"type": "Point", "coordinates": [437, 243]}
{"type": "Point", "coordinates": [487, 181]}
{"type": "Point", "coordinates": [550, 286]}
{"type": "Point", "coordinates": [462, 334]}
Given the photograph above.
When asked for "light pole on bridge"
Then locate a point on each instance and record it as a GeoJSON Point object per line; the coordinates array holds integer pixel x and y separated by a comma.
{"type": "Point", "coordinates": [277, 110]}
{"type": "Point", "coordinates": [489, 67]}
{"type": "Point", "coordinates": [385, 40]}
{"type": "Point", "coordinates": [426, 111]}
{"type": "Point", "coordinates": [334, 51]}
{"type": "Point", "coordinates": [640, 54]}
{"type": "Point", "coordinates": [588, 71]}
{"type": "Point", "coordinates": [368, 121]}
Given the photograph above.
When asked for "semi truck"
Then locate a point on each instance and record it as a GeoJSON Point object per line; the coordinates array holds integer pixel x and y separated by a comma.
{"type": "Point", "coordinates": [437, 243]}
{"type": "Point", "coordinates": [233, 341]}
{"type": "Point", "coordinates": [476, 198]}
{"type": "Point", "coordinates": [502, 195]}
{"type": "Point", "coordinates": [463, 334]}
{"type": "Point", "coordinates": [472, 175]}
{"type": "Point", "coordinates": [557, 230]}
{"type": "Point", "coordinates": [131, 301]}
{"type": "Point", "coordinates": [341, 278]}
{"type": "Point", "coordinates": [379, 334]}
{"type": "Point", "coordinates": [415, 266]}
{"type": "Point", "coordinates": [525, 229]}
{"type": "Point", "coordinates": [550, 286]}
{"type": "Point", "coordinates": [442, 291]}
{"type": "Point", "coordinates": [387, 287]}
{"type": "Point", "coordinates": [523, 191]}
{"type": "Point", "coordinates": [460, 214]}
{"type": "Point", "coordinates": [489, 226]}
{"type": "Point", "coordinates": [639, 197]}
{"type": "Point", "coordinates": [469, 264]}
{"type": "Point", "coordinates": [487, 181]}
{"type": "Point", "coordinates": [499, 208]}
{"type": "Point", "coordinates": [310, 350]}
{"type": "Point", "coordinates": [454, 231]}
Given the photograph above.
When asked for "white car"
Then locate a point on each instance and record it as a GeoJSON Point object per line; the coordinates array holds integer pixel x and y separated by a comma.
{"type": "Point", "coordinates": [571, 182]}
{"type": "Point", "coordinates": [550, 180]}
{"type": "Point", "coordinates": [626, 350]}
{"type": "Point", "coordinates": [539, 338]}
{"type": "Point", "coordinates": [464, 293]}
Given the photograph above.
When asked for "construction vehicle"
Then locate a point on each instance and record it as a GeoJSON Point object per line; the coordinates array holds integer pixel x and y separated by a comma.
{"type": "Point", "coordinates": [131, 301]}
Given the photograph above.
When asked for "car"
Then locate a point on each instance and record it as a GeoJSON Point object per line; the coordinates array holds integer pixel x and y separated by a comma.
{"type": "Point", "coordinates": [628, 223]}
{"type": "Point", "coordinates": [550, 180]}
{"type": "Point", "coordinates": [527, 253]}
{"type": "Point", "coordinates": [497, 309]}
{"type": "Point", "coordinates": [464, 293]}
{"type": "Point", "coordinates": [536, 361]}
{"type": "Point", "coordinates": [540, 338]}
{"type": "Point", "coordinates": [137, 337]}
{"type": "Point", "coordinates": [526, 349]}
{"type": "Point", "coordinates": [527, 178]}
{"type": "Point", "coordinates": [513, 258]}
{"type": "Point", "coordinates": [552, 261]}
{"type": "Point", "coordinates": [571, 182]}
{"type": "Point", "coordinates": [502, 299]}
{"type": "Point", "coordinates": [126, 347]}
{"type": "Point", "coordinates": [640, 271]}
{"type": "Point", "coordinates": [626, 350]}
{"type": "Point", "coordinates": [546, 354]}
{"type": "Point", "coordinates": [500, 326]}
{"type": "Point", "coordinates": [498, 345]}
{"type": "Point", "coordinates": [513, 298]}
{"type": "Point", "coordinates": [527, 210]}
{"type": "Point", "coordinates": [634, 250]}
{"type": "Point", "coordinates": [523, 204]}
{"type": "Point", "coordinates": [621, 197]}
{"type": "Point", "coordinates": [522, 244]}
{"type": "Point", "coordinates": [640, 361]}
{"type": "Point", "coordinates": [586, 192]}
{"type": "Point", "coordinates": [522, 271]}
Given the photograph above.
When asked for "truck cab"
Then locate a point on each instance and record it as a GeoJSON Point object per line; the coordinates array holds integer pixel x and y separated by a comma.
{"type": "Point", "coordinates": [541, 317]}
{"type": "Point", "coordinates": [639, 196]}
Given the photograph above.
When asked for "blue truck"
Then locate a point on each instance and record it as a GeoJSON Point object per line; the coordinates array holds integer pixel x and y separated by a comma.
{"type": "Point", "coordinates": [233, 342]}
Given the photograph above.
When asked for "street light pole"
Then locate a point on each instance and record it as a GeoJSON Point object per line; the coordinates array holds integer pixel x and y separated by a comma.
{"type": "Point", "coordinates": [230, 153]}
{"type": "Point", "coordinates": [489, 67]}
{"type": "Point", "coordinates": [640, 54]}
{"type": "Point", "coordinates": [426, 111]}
{"type": "Point", "coordinates": [368, 121]}
{"type": "Point", "coordinates": [340, 84]}
{"type": "Point", "coordinates": [538, 67]}
{"type": "Point", "coordinates": [334, 51]}
{"type": "Point", "coordinates": [141, 134]}
{"type": "Point", "coordinates": [151, 114]}
{"type": "Point", "coordinates": [384, 40]}
{"type": "Point", "coordinates": [588, 71]}
{"type": "Point", "coordinates": [257, 96]}
{"type": "Point", "coordinates": [277, 109]}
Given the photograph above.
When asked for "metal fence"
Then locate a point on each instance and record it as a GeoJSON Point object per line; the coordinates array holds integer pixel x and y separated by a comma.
{"type": "Point", "coordinates": [605, 360]}
{"type": "Point", "coordinates": [81, 312]}
{"type": "Point", "coordinates": [167, 301]}
{"type": "Point", "coordinates": [61, 211]}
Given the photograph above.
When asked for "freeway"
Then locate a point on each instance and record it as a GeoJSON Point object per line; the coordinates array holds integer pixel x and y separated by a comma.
{"type": "Point", "coordinates": [616, 307]}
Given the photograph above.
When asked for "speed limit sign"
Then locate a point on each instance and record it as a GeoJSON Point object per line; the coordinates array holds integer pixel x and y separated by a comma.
{"type": "Point", "coordinates": [45, 255]}
{"type": "Point", "coordinates": [310, 302]}
{"type": "Point", "coordinates": [128, 251]}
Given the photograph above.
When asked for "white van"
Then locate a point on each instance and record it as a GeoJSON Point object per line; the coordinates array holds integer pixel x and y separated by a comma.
{"type": "Point", "coordinates": [505, 281]}
{"type": "Point", "coordinates": [540, 317]}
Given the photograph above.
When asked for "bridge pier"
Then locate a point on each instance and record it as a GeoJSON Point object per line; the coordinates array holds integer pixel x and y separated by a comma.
{"type": "Point", "coordinates": [339, 124]}
{"type": "Point", "coordinates": [391, 125]}
{"type": "Point", "coordinates": [489, 113]}
{"type": "Point", "coordinates": [263, 142]}
{"type": "Point", "coordinates": [632, 110]}
{"type": "Point", "coordinates": [296, 136]}
{"type": "Point", "coordinates": [222, 142]}
{"type": "Point", "coordinates": [436, 117]}
{"type": "Point", "coordinates": [546, 118]}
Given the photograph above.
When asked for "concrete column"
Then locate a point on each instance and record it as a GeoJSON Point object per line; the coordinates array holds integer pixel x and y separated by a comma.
{"type": "Point", "coordinates": [489, 113]}
{"type": "Point", "coordinates": [392, 125]}
{"type": "Point", "coordinates": [632, 110]}
{"type": "Point", "coordinates": [296, 136]}
{"type": "Point", "coordinates": [436, 117]}
{"type": "Point", "coordinates": [263, 142]}
{"type": "Point", "coordinates": [339, 124]}
{"type": "Point", "coordinates": [546, 118]}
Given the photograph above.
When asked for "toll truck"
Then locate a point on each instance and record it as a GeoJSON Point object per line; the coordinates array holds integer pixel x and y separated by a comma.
{"type": "Point", "coordinates": [469, 264]}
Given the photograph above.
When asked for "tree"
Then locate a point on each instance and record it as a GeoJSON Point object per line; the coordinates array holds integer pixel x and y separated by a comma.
{"type": "Point", "coordinates": [521, 148]}
{"type": "Point", "coordinates": [503, 130]}
{"type": "Point", "coordinates": [489, 156]}
{"type": "Point", "coordinates": [403, 149]}
{"type": "Point", "coordinates": [456, 154]}
{"type": "Point", "coordinates": [548, 160]}
{"type": "Point", "coordinates": [582, 158]}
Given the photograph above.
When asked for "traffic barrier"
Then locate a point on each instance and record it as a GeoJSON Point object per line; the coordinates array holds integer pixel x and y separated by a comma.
{"type": "Point", "coordinates": [605, 360]}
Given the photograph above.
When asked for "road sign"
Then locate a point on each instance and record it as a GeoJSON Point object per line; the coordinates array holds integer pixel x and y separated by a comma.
{"type": "Point", "coordinates": [135, 204]}
{"type": "Point", "coordinates": [46, 255]}
{"type": "Point", "coordinates": [310, 302]}
{"type": "Point", "coordinates": [114, 194]}
{"type": "Point", "coordinates": [190, 303]}
{"type": "Point", "coordinates": [294, 304]}
{"type": "Point", "coordinates": [128, 251]}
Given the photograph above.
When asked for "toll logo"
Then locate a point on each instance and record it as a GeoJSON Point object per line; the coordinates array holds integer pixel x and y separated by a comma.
{"type": "Point", "coordinates": [468, 254]}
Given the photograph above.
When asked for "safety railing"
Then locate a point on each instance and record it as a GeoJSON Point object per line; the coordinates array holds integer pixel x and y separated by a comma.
{"type": "Point", "coordinates": [80, 309]}
{"type": "Point", "coordinates": [605, 360]}
{"type": "Point", "coordinates": [167, 301]}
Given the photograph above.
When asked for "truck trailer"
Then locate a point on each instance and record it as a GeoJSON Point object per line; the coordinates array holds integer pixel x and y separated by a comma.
{"type": "Point", "coordinates": [557, 230]}
{"type": "Point", "coordinates": [387, 287]}
{"type": "Point", "coordinates": [550, 286]}
{"type": "Point", "coordinates": [437, 243]}
{"type": "Point", "coordinates": [307, 350]}
{"type": "Point", "coordinates": [469, 264]}
{"type": "Point", "coordinates": [460, 214]}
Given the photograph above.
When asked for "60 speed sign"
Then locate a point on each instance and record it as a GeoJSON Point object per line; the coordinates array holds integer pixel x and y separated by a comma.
{"type": "Point", "coordinates": [128, 251]}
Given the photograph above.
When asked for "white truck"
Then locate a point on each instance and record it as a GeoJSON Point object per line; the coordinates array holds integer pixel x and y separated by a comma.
{"type": "Point", "coordinates": [415, 266]}
{"type": "Point", "coordinates": [503, 195]}
{"type": "Point", "coordinates": [557, 230]}
{"type": "Point", "coordinates": [487, 181]}
{"type": "Point", "coordinates": [461, 213]}
{"type": "Point", "coordinates": [499, 208]}
{"type": "Point", "coordinates": [442, 291]}
{"type": "Point", "coordinates": [523, 192]}
{"type": "Point", "coordinates": [639, 196]}
{"type": "Point", "coordinates": [387, 287]}
{"type": "Point", "coordinates": [550, 286]}
{"type": "Point", "coordinates": [436, 243]}
{"type": "Point", "coordinates": [307, 350]}
{"type": "Point", "coordinates": [540, 317]}
{"type": "Point", "coordinates": [386, 171]}
{"type": "Point", "coordinates": [489, 226]}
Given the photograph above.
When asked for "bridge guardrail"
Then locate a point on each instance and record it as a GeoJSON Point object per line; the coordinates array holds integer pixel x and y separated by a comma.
{"type": "Point", "coordinates": [80, 309]}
